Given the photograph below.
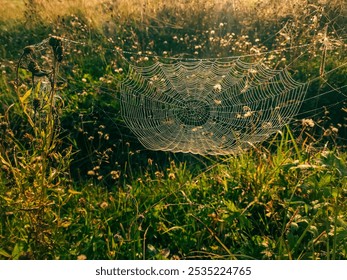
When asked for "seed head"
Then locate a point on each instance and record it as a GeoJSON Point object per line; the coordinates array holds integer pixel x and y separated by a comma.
{"type": "Point", "coordinates": [57, 46]}
{"type": "Point", "coordinates": [54, 41]}
{"type": "Point", "coordinates": [28, 50]}
{"type": "Point", "coordinates": [35, 69]}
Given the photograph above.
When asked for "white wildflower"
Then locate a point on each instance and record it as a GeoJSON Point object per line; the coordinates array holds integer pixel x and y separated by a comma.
{"type": "Point", "coordinates": [217, 87]}
{"type": "Point", "coordinates": [307, 122]}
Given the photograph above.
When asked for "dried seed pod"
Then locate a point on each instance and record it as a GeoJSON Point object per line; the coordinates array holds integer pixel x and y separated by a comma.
{"type": "Point", "coordinates": [59, 53]}
{"type": "Point", "coordinates": [28, 50]}
{"type": "Point", "coordinates": [57, 46]}
{"type": "Point", "coordinates": [54, 41]}
{"type": "Point", "coordinates": [35, 69]}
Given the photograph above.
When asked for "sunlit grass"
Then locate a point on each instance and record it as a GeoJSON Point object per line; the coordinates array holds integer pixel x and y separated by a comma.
{"type": "Point", "coordinates": [98, 12]}
{"type": "Point", "coordinates": [255, 205]}
{"type": "Point", "coordinates": [11, 10]}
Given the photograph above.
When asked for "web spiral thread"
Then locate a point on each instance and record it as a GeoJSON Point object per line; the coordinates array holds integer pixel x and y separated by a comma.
{"type": "Point", "coordinates": [208, 107]}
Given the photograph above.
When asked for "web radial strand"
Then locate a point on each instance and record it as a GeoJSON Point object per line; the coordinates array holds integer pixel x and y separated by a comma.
{"type": "Point", "coordinates": [208, 107]}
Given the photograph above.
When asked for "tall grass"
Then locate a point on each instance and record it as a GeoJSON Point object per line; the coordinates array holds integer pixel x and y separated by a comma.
{"type": "Point", "coordinates": [285, 205]}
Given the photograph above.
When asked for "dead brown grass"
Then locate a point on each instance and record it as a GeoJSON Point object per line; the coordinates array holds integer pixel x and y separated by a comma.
{"type": "Point", "coordinates": [11, 9]}
{"type": "Point", "coordinates": [97, 12]}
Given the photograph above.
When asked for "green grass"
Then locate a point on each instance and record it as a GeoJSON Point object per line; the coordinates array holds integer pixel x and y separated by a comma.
{"type": "Point", "coordinates": [257, 205]}
{"type": "Point", "coordinates": [75, 184]}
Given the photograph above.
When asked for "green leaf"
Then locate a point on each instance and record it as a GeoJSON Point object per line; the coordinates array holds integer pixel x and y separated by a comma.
{"type": "Point", "coordinates": [4, 254]}
{"type": "Point", "coordinates": [17, 250]}
{"type": "Point", "coordinates": [25, 96]}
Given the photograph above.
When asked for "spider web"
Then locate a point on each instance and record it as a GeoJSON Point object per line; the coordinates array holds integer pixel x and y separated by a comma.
{"type": "Point", "coordinates": [208, 107]}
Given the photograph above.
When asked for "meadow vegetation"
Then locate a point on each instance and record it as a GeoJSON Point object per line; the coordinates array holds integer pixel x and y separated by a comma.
{"type": "Point", "coordinates": [76, 184]}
